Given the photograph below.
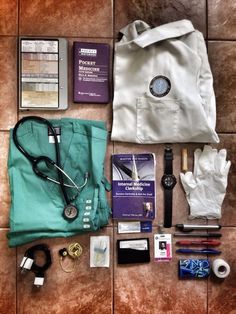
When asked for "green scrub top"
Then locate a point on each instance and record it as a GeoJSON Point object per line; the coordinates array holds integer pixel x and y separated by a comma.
{"type": "Point", "coordinates": [36, 204]}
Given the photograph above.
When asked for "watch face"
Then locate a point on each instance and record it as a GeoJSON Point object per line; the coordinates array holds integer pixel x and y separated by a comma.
{"type": "Point", "coordinates": [168, 181]}
{"type": "Point", "coordinates": [70, 212]}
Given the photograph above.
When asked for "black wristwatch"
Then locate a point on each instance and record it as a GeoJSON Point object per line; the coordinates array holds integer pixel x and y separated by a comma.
{"type": "Point", "coordinates": [168, 182]}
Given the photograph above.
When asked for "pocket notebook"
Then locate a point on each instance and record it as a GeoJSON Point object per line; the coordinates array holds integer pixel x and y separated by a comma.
{"type": "Point", "coordinates": [133, 251]}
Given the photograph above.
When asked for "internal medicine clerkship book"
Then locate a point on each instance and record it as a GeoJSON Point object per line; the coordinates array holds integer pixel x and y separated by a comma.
{"type": "Point", "coordinates": [133, 186]}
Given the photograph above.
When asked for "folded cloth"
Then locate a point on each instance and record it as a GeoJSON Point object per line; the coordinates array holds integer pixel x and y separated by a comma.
{"type": "Point", "coordinates": [37, 205]}
{"type": "Point", "coordinates": [163, 85]}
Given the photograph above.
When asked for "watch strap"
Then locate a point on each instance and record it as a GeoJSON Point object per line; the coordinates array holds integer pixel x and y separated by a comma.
{"type": "Point", "coordinates": [167, 208]}
{"type": "Point", "coordinates": [168, 157]}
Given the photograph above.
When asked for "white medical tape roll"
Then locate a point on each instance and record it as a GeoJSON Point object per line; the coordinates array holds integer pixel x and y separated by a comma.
{"type": "Point", "coordinates": [220, 268]}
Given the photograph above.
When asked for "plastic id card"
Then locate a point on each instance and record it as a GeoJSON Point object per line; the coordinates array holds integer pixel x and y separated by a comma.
{"type": "Point", "coordinates": [162, 247]}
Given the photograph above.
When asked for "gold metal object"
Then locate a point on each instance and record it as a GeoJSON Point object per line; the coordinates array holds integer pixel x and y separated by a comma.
{"type": "Point", "coordinates": [184, 160]}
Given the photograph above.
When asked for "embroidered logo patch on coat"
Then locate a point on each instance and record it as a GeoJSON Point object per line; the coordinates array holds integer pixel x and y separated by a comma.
{"type": "Point", "coordinates": [160, 86]}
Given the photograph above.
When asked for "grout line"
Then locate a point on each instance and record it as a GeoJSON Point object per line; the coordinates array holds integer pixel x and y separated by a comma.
{"type": "Point", "coordinates": [57, 36]}
{"type": "Point", "coordinates": [225, 133]}
{"type": "Point", "coordinates": [8, 35]}
{"type": "Point", "coordinates": [113, 53]}
{"type": "Point", "coordinates": [101, 37]}
{"type": "Point", "coordinates": [114, 244]}
{"type": "Point", "coordinates": [18, 18]}
{"type": "Point", "coordinates": [113, 272]}
{"type": "Point", "coordinates": [207, 295]}
{"type": "Point", "coordinates": [207, 21]}
{"type": "Point", "coordinates": [207, 285]}
{"type": "Point", "coordinates": [207, 256]}
{"type": "Point", "coordinates": [222, 39]}
{"type": "Point", "coordinates": [16, 298]}
{"type": "Point", "coordinates": [17, 64]}
{"type": "Point", "coordinates": [113, 20]}
{"type": "Point", "coordinates": [113, 149]}
{"type": "Point", "coordinates": [17, 116]}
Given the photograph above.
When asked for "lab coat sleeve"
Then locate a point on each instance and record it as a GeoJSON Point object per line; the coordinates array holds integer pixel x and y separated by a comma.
{"type": "Point", "coordinates": [205, 83]}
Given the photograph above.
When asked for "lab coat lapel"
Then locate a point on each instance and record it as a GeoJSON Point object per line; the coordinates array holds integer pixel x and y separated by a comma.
{"type": "Point", "coordinates": [133, 30]}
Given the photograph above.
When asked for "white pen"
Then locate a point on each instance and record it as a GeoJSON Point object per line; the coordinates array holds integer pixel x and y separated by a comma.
{"type": "Point", "coordinates": [185, 227]}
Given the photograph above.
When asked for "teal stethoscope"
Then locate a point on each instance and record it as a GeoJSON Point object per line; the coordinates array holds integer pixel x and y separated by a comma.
{"type": "Point", "coordinates": [70, 211]}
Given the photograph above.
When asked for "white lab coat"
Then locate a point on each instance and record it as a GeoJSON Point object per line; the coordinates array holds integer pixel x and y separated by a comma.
{"type": "Point", "coordinates": [187, 113]}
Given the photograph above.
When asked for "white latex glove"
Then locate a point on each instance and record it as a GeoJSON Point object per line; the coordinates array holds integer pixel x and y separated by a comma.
{"type": "Point", "coordinates": [205, 188]}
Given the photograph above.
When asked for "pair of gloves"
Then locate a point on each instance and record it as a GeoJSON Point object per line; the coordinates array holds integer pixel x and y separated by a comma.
{"type": "Point", "coordinates": [205, 187]}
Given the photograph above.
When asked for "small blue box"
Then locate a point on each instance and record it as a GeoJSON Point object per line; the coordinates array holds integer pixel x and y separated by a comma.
{"type": "Point", "coordinates": [146, 226]}
{"type": "Point", "coordinates": [194, 268]}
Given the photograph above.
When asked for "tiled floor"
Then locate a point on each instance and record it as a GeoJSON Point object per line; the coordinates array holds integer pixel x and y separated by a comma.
{"type": "Point", "coordinates": [151, 288]}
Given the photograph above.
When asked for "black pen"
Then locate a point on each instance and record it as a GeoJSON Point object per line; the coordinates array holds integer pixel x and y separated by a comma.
{"type": "Point", "coordinates": [198, 235]}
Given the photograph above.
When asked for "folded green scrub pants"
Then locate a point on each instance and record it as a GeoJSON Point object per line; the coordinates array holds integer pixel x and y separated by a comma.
{"type": "Point", "coordinates": [37, 205]}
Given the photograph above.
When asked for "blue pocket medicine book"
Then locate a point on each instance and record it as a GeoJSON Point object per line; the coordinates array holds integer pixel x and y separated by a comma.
{"type": "Point", "coordinates": [133, 186]}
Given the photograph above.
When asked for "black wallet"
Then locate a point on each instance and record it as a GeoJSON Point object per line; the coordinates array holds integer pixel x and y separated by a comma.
{"type": "Point", "coordinates": [133, 251]}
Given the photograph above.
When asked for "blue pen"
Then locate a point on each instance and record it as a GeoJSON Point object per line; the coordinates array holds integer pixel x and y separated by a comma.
{"type": "Point", "coordinates": [204, 251]}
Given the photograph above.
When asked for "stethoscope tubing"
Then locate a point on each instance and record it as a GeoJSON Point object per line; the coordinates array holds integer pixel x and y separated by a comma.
{"type": "Point", "coordinates": [35, 160]}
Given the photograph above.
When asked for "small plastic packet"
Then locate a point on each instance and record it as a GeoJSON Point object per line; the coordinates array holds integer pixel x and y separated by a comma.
{"type": "Point", "coordinates": [99, 251]}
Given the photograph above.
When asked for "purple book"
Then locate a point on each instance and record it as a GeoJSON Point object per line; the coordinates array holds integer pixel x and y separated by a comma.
{"type": "Point", "coordinates": [133, 186]}
{"type": "Point", "coordinates": [91, 72]}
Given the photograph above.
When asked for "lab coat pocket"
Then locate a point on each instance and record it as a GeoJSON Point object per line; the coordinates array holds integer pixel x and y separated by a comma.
{"type": "Point", "coordinates": [157, 120]}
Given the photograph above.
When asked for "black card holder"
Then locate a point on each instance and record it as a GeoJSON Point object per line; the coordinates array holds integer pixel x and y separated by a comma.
{"type": "Point", "coordinates": [130, 255]}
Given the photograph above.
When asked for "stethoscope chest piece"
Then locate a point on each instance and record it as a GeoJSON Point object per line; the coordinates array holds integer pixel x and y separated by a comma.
{"type": "Point", "coordinates": [70, 212]}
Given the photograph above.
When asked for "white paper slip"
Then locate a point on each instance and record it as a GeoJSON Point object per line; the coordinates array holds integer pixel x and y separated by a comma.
{"type": "Point", "coordinates": [134, 244]}
{"type": "Point", "coordinates": [129, 227]}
